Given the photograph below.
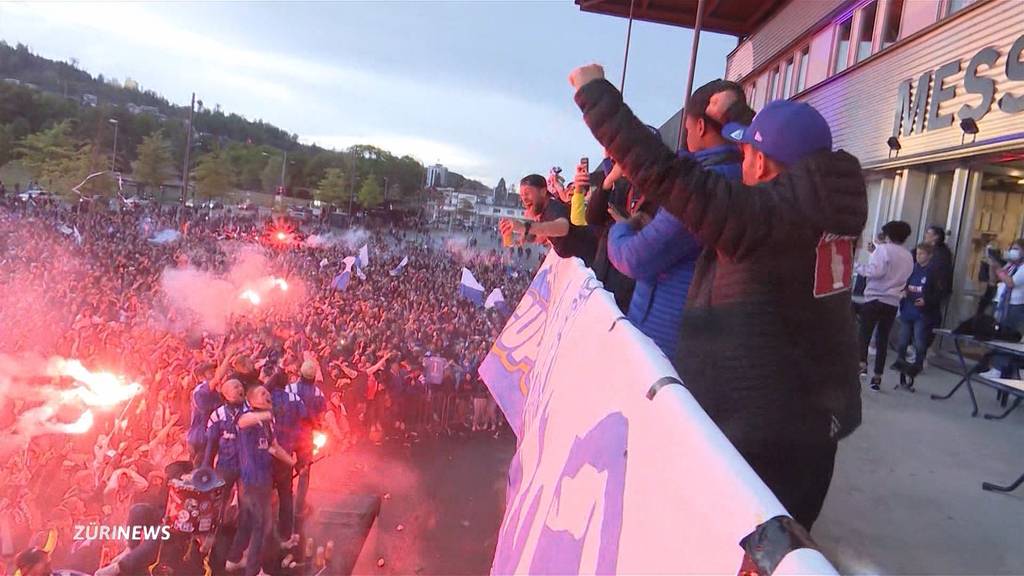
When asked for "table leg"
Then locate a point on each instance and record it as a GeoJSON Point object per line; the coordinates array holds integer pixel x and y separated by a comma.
{"type": "Point", "coordinates": [966, 372]}
{"type": "Point", "coordinates": [997, 488]}
{"type": "Point", "coordinates": [1016, 403]}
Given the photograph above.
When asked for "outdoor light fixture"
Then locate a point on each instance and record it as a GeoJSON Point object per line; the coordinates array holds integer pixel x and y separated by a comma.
{"type": "Point", "coordinates": [894, 145]}
{"type": "Point", "coordinates": [968, 126]}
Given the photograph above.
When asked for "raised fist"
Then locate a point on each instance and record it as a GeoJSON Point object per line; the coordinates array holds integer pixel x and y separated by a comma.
{"type": "Point", "coordinates": [584, 75]}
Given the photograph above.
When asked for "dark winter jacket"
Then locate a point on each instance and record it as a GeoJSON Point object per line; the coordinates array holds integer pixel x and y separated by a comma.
{"type": "Point", "coordinates": [767, 345]}
{"type": "Point", "coordinates": [598, 220]}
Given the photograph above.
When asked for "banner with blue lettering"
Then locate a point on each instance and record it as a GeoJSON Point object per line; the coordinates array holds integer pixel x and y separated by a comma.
{"type": "Point", "coordinates": [604, 479]}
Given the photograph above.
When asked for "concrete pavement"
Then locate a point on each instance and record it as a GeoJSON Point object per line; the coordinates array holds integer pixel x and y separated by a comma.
{"type": "Point", "coordinates": [906, 497]}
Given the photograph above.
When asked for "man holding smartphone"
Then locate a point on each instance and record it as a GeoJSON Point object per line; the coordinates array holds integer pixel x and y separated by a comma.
{"type": "Point", "coordinates": [548, 222]}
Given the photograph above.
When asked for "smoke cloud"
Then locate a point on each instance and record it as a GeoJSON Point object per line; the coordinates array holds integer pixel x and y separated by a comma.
{"type": "Point", "coordinates": [208, 301]}
{"type": "Point", "coordinates": [351, 239]}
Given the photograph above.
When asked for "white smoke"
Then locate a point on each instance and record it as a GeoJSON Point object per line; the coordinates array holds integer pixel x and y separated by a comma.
{"type": "Point", "coordinates": [351, 239]}
{"type": "Point", "coordinates": [209, 300]}
{"type": "Point", "coordinates": [166, 236]}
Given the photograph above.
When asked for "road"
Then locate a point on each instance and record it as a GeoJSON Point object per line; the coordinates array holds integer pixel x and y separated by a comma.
{"type": "Point", "coordinates": [447, 494]}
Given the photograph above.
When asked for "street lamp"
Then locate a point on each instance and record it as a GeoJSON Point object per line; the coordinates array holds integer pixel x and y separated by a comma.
{"type": "Point", "coordinates": [113, 157]}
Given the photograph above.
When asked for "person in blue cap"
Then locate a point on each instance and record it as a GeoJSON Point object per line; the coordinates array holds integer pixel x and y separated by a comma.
{"type": "Point", "coordinates": [767, 344]}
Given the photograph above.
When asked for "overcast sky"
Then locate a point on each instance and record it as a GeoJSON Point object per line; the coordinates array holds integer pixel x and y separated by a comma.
{"type": "Point", "coordinates": [478, 86]}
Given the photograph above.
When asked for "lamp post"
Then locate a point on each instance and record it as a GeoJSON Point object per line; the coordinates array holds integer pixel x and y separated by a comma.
{"type": "Point", "coordinates": [113, 156]}
{"type": "Point", "coordinates": [188, 152]}
{"type": "Point", "coordinates": [284, 167]}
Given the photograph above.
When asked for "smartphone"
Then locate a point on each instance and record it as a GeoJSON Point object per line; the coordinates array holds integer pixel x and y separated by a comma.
{"type": "Point", "coordinates": [586, 164]}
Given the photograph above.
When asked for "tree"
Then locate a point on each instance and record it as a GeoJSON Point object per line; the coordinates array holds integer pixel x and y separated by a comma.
{"type": "Point", "coordinates": [370, 194]}
{"type": "Point", "coordinates": [54, 157]}
{"type": "Point", "coordinates": [332, 186]}
{"type": "Point", "coordinates": [271, 176]}
{"type": "Point", "coordinates": [213, 175]}
{"type": "Point", "coordinates": [154, 160]}
{"type": "Point", "coordinates": [465, 208]}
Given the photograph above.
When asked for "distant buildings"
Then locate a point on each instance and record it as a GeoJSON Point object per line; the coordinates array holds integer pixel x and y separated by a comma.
{"type": "Point", "coordinates": [437, 176]}
{"type": "Point", "coordinates": [147, 110]}
{"type": "Point", "coordinates": [477, 206]}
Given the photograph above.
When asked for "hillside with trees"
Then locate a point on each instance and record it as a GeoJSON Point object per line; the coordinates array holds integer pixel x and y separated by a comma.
{"type": "Point", "coordinates": [57, 121]}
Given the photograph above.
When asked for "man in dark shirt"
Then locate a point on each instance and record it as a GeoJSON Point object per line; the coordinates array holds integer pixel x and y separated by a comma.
{"type": "Point", "coordinates": [258, 448]}
{"type": "Point", "coordinates": [315, 405]}
{"type": "Point", "coordinates": [205, 399]}
{"type": "Point", "coordinates": [289, 412]}
{"type": "Point", "coordinates": [549, 222]}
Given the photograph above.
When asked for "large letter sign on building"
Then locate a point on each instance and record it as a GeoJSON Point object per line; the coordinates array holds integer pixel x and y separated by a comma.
{"type": "Point", "coordinates": [913, 106]}
{"type": "Point", "coordinates": [611, 474]}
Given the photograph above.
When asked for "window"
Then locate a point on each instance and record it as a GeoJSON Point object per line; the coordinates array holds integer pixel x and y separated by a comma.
{"type": "Point", "coordinates": [773, 82]}
{"type": "Point", "coordinates": [787, 78]}
{"type": "Point", "coordinates": [891, 25]}
{"type": "Point", "coordinates": [866, 31]}
{"type": "Point", "coordinates": [801, 75]}
{"type": "Point", "coordinates": [842, 46]}
{"type": "Point", "coordinates": [752, 100]}
{"type": "Point", "coordinates": [954, 6]}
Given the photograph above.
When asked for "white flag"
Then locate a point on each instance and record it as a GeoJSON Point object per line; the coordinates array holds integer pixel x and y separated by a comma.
{"type": "Point", "coordinates": [495, 298]}
{"type": "Point", "coordinates": [364, 256]}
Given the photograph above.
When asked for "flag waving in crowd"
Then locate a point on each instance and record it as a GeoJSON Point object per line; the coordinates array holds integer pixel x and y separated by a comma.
{"type": "Point", "coordinates": [496, 300]}
{"type": "Point", "coordinates": [470, 289]}
{"type": "Point", "coordinates": [398, 269]}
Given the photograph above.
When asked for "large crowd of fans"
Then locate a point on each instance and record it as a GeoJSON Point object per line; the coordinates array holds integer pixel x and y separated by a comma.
{"type": "Point", "coordinates": [86, 285]}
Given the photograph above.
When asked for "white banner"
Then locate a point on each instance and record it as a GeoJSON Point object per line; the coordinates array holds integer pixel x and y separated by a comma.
{"type": "Point", "coordinates": [605, 480]}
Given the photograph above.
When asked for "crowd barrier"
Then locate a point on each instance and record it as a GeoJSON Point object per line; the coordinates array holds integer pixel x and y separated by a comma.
{"type": "Point", "coordinates": [617, 468]}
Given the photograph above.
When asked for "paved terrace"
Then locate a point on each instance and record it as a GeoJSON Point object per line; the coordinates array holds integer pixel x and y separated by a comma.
{"type": "Point", "coordinates": [906, 497]}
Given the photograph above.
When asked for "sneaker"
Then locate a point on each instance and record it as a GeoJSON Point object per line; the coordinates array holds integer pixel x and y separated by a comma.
{"type": "Point", "coordinates": [876, 383]}
{"type": "Point", "coordinates": [992, 373]}
{"type": "Point", "coordinates": [234, 566]}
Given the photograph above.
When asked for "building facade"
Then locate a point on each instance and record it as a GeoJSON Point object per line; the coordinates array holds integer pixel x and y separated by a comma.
{"type": "Point", "coordinates": [437, 176]}
{"type": "Point", "coordinates": [928, 94]}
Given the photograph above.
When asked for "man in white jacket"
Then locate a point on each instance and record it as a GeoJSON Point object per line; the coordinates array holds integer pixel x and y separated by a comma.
{"type": "Point", "coordinates": [886, 272]}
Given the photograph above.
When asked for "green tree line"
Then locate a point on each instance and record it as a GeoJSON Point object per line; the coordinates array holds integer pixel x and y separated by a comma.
{"type": "Point", "coordinates": [60, 137]}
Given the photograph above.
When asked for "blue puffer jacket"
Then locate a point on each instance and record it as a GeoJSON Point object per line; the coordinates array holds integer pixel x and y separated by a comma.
{"type": "Point", "coordinates": [661, 258]}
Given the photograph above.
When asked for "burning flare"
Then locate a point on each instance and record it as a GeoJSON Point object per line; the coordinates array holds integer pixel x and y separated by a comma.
{"type": "Point", "coordinates": [251, 295]}
{"type": "Point", "coordinates": [100, 389]}
{"type": "Point", "coordinates": [319, 441]}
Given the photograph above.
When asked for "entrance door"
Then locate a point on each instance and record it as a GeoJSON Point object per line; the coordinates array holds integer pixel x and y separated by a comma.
{"type": "Point", "coordinates": [993, 216]}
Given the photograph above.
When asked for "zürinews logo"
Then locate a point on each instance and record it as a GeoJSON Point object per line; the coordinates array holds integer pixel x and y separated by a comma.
{"type": "Point", "coordinates": [136, 532]}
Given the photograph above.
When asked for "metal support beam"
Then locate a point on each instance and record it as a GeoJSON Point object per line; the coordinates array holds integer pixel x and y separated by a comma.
{"type": "Point", "coordinates": [693, 66]}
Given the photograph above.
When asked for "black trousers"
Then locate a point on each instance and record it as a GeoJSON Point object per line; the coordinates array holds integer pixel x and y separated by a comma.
{"type": "Point", "coordinates": [876, 314]}
{"type": "Point", "coordinates": [799, 475]}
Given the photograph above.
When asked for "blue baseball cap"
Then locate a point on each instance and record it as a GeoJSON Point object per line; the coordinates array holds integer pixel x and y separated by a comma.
{"type": "Point", "coordinates": [785, 131]}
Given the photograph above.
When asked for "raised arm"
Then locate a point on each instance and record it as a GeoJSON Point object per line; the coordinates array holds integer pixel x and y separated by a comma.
{"type": "Point", "coordinates": [727, 216]}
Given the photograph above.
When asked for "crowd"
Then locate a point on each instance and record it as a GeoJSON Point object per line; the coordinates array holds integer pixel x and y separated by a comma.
{"type": "Point", "coordinates": [390, 355]}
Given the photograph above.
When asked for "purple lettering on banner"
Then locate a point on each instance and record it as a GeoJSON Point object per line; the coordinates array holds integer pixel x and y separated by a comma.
{"type": "Point", "coordinates": [603, 449]}
{"type": "Point", "coordinates": [558, 551]}
{"type": "Point", "coordinates": [507, 367]}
